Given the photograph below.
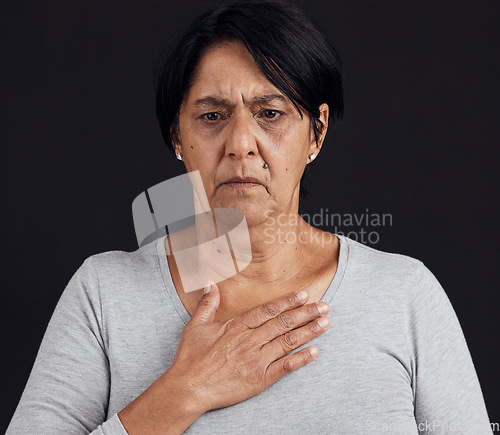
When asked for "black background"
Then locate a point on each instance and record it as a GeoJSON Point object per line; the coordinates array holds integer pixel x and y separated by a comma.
{"type": "Point", "coordinates": [80, 141]}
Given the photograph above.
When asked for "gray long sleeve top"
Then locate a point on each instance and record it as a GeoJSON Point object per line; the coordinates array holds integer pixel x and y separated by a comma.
{"type": "Point", "coordinates": [395, 359]}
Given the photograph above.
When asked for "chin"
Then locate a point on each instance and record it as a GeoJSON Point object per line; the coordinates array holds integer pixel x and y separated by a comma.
{"type": "Point", "coordinates": [254, 212]}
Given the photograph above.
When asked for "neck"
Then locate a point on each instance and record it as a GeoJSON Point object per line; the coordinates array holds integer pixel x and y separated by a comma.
{"type": "Point", "coordinates": [268, 258]}
{"type": "Point", "coordinates": [279, 248]}
{"type": "Point", "coordinates": [287, 254]}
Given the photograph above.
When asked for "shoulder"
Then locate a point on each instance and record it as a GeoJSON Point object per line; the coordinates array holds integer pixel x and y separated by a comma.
{"type": "Point", "coordinates": [116, 274]}
{"type": "Point", "coordinates": [113, 262]}
{"type": "Point", "coordinates": [392, 270]}
{"type": "Point", "coordinates": [372, 260]}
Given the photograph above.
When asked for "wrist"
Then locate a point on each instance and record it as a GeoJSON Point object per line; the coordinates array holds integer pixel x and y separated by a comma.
{"type": "Point", "coordinates": [166, 407]}
{"type": "Point", "coordinates": [186, 395]}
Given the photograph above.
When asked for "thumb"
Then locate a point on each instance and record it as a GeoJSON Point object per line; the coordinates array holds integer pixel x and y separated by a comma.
{"type": "Point", "coordinates": [207, 305]}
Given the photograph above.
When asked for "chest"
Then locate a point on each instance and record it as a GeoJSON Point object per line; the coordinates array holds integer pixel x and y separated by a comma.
{"type": "Point", "coordinates": [314, 278]}
{"type": "Point", "coordinates": [358, 381]}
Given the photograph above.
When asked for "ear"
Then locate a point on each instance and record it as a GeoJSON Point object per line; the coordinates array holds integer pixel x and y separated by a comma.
{"type": "Point", "coordinates": [176, 140]}
{"type": "Point", "coordinates": [315, 146]}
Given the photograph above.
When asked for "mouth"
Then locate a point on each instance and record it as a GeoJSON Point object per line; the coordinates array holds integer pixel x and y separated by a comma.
{"type": "Point", "coordinates": [241, 183]}
{"type": "Point", "coordinates": [241, 186]}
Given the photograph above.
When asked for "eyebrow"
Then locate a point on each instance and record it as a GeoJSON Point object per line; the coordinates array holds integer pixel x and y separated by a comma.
{"type": "Point", "coordinates": [268, 98]}
{"type": "Point", "coordinates": [260, 99]}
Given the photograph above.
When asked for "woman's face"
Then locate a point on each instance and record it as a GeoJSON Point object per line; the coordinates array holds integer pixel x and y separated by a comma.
{"type": "Point", "coordinates": [232, 121]}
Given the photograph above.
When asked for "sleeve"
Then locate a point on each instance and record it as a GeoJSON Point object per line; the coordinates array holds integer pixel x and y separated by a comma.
{"type": "Point", "coordinates": [447, 393]}
{"type": "Point", "coordinates": [68, 389]}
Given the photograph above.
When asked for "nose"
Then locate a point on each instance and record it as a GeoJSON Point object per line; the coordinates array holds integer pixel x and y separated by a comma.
{"type": "Point", "coordinates": [240, 142]}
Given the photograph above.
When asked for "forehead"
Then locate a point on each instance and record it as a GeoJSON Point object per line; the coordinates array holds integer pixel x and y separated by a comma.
{"type": "Point", "coordinates": [229, 71]}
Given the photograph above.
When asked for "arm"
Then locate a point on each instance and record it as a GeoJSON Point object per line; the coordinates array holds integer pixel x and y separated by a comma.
{"type": "Point", "coordinates": [447, 393]}
{"type": "Point", "coordinates": [67, 390]}
{"type": "Point", "coordinates": [164, 408]}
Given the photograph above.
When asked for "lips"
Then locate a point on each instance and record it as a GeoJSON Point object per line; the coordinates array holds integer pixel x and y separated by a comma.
{"type": "Point", "coordinates": [242, 180]}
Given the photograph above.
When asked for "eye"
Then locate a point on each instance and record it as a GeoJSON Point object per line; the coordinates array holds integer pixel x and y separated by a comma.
{"type": "Point", "coordinates": [211, 116]}
{"type": "Point", "coordinates": [271, 113]}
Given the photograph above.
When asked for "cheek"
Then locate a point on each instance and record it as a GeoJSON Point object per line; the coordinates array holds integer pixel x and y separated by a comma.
{"type": "Point", "coordinates": [287, 147]}
{"type": "Point", "coordinates": [201, 158]}
{"type": "Point", "coordinates": [201, 150]}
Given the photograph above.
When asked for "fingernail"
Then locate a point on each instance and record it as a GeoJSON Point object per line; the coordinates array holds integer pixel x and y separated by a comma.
{"type": "Point", "coordinates": [323, 322]}
{"type": "Point", "coordinates": [302, 295]}
{"type": "Point", "coordinates": [323, 308]}
{"type": "Point", "coordinates": [208, 287]}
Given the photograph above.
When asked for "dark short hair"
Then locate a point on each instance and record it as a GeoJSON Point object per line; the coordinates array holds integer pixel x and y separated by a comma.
{"type": "Point", "coordinates": [287, 46]}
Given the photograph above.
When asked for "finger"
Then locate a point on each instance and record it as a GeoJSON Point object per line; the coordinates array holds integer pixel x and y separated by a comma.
{"type": "Point", "coordinates": [291, 340]}
{"type": "Point", "coordinates": [255, 317]}
{"type": "Point", "coordinates": [289, 363]}
{"type": "Point", "coordinates": [289, 320]}
{"type": "Point", "coordinates": [207, 305]}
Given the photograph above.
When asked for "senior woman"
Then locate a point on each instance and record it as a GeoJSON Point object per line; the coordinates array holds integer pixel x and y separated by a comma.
{"type": "Point", "coordinates": [245, 97]}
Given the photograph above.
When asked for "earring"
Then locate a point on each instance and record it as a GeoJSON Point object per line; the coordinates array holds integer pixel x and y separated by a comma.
{"type": "Point", "coordinates": [265, 165]}
{"type": "Point", "coordinates": [312, 157]}
{"type": "Point", "coordinates": [179, 157]}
